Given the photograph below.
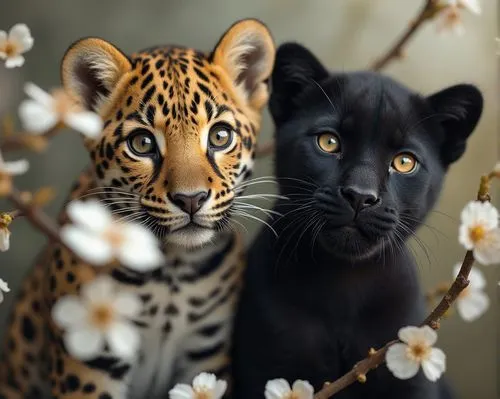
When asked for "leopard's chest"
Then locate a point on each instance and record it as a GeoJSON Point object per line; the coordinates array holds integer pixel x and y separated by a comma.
{"type": "Point", "coordinates": [187, 308]}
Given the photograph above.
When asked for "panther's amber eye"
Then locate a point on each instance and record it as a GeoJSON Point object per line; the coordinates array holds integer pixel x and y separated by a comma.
{"type": "Point", "coordinates": [329, 142]}
{"type": "Point", "coordinates": [404, 163]}
{"type": "Point", "coordinates": [142, 143]}
{"type": "Point", "coordinates": [220, 137]}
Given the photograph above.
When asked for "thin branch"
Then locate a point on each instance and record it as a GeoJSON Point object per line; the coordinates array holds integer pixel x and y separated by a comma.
{"type": "Point", "coordinates": [426, 12]}
{"type": "Point", "coordinates": [26, 140]}
{"type": "Point", "coordinates": [376, 358]}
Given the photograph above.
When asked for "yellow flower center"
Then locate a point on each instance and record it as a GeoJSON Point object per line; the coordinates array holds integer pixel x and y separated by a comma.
{"type": "Point", "coordinates": [418, 351]}
{"type": "Point", "coordinates": [114, 237]}
{"type": "Point", "coordinates": [5, 220]}
{"type": "Point", "coordinates": [10, 49]}
{"type": "Point", "coordinates": [202, 394]}
{"type": "Point", "coordinates": [63, 103]}
{"type": "Point", "coordinates": [102, 316]}
{"type": "Point", "coordinates": [477, 233]}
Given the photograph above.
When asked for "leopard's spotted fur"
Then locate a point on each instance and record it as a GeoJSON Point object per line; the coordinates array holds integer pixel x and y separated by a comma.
{"type": "Point", "coordinates": [176, 96]}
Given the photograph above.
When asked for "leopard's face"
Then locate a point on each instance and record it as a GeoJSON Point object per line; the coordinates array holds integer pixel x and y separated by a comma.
{"type": "Point", "coordinates": [180, 128]}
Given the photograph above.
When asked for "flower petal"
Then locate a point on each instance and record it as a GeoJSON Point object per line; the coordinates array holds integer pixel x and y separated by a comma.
{"type": "Point", "coordinates": [473, 305]}
{"type": "Point", "coordinates": [39, 95]}
{"type": "Point", "coordinates": [84, 343]}
{"type": "Point", "coordinates": [127, 304]}
{"type": "Point", "coordinates": [303, 389]}
{"type": "Point", "coordinates": [124, 339]}
{"type": "Point", "coordinates": [277, 389]}
{"type": "Point", "coordinates": [91, 214]}
{"type": "Point", "coordinates": [472, 5]}
{"type": "Point", "coordinates": [398, 362]}
{"type": "Point", "coordinates": [101, 290]}
{"type": "Point", "coordinates": [36, 118]}
{"type": "Point", "coordinates": [15, 167]}
{"type": "Point", "coordinates": [20, 35]}
{"type": "Point", "coordinates": [181, 391]}
{"type": "Point", "coordinates": [204, 381]}
{"type": "Point", "coordinates": [69, 311]}
{"type": "Point", "coordinates": [4, 239]}
{"type": "Point", "coordinates": [15, 61]}
{"type": "Point", "coordinates": [140, 258]}
{"type": "Point", "coordinates": [220, 389]}
{"type": "Point", "coordinates": [487, 251]}
{"type": "Point", "coordinates": [4, 286]}
{"type": "Point", "coordinates": [435, 365]}
{"type": "Point", "coordinates": [87, 246]}
{"type": "Point", "coordinates": [86, 122]}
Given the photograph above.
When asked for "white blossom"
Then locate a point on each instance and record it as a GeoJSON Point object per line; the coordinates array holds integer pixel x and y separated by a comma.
{"type": "Point", "coordinates": [472, 301]}
{"type": "Point", "coordinates": [479, 231]}
{"type": "Point", "coordinates": [204, 386]}
{"type": "Point", "coordinates": [4, 239]}
{"type": "Point", "coordinates": [3, 288]}
{"type": "Point", "coordinates": [98, 239]}
{"type": "Point", "coordinates": [15, 43]}
{"type": "Point", "coordinates": [44, 111]}
{"type": "Point", "coordinates": [102, 314]}
{"type": "Point", "coordinates": [450, 18]}
{"type": "Point", "coordinates": [9, 169]}
{"type": "Point", "coordinates": [404, 359]}
{"type": "Point", "coordinates": [280, 389]}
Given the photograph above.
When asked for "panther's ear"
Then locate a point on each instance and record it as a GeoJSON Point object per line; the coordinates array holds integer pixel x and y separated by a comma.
{"type": "Point", "coordinates": [458, 109]}
{"type": "Point", "coordinates": [246, 52]}
{"type": "Point", "coordinates": [295, 69]}
{"type": "Point", "coordinates": [91, 70]}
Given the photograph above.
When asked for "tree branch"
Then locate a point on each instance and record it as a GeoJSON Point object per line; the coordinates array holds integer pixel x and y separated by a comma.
{"type": "Point", "coordinates": [426, 12]}
{"type": "Point", "coordinates": [376, 358]}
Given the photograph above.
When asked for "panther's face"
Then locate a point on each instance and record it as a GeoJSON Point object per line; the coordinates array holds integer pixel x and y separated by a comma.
{"type": "Point", "coordinates": [180, 127]}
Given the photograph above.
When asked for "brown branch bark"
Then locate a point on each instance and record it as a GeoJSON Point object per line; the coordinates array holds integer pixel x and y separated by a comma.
{"type": "Point", "coordinates": [426, 12]}
{"type": "Point", "coordinates": [26, 140]}
{"type": "Point", "coordinates": [376, 358]}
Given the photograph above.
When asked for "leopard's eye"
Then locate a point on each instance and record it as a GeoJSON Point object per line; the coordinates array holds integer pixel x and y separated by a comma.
{"type": "Point", "coordinates": [142, 143]}
{"type": "Point", "coordinates": [220, 137]}
{"type": "Point", "coordinates": [328, 142]}
{"type": "Point", "coordinates": [404, 163]}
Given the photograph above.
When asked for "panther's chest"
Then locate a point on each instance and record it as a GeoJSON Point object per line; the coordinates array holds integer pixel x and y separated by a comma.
{"type": "Point", "coordinates": [187, 309]}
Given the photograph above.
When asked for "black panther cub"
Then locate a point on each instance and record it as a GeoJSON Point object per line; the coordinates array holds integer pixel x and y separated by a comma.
{"type": "Point", "coordinates": [362, 160]}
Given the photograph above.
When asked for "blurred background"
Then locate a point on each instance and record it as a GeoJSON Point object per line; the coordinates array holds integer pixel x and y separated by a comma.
{"type": "Point", "coordinates": [346, 35]}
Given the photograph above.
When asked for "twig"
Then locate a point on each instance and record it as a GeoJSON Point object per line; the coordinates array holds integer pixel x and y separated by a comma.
{"type": "Point", "coordinates": [26, 140]}
{"type": "Point", "coordinates": [426, 12]}
{"type": "Point", "coordinates": [376, 358]}
{"type": "Point", "coordinates": [37, 217]}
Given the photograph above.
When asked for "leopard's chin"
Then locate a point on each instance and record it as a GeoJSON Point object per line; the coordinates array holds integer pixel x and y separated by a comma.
{"type": "Point", "coordinates": [191, 237]}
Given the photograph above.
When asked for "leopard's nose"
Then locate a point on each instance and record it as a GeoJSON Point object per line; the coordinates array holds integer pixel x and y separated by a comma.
{"type": "Point", "coordinates": [190, 203]}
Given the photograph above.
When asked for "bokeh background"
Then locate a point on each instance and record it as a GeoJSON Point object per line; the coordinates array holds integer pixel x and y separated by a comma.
{"type": "Point", "coordinates": [346, 35]}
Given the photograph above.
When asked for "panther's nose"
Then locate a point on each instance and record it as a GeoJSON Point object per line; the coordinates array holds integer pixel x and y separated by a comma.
{"type": "Point", "coordinates": [190, 203]}
{"type": "Point", "coordinates": [359, 198]}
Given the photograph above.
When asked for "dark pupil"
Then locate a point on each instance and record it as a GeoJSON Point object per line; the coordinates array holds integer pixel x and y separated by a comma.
{"type": "Point", "coordinates": [331, 141]}
{"type": "Point", "coordinates": [405, 160]}
{"type": "Point", "coordinates": [145, 143]}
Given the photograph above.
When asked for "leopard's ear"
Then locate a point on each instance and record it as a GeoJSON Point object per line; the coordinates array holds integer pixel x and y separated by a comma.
{"type": "Point", "coordinates": [91, 70]}
{"type": "Point", "coordinates": [246, 52]}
